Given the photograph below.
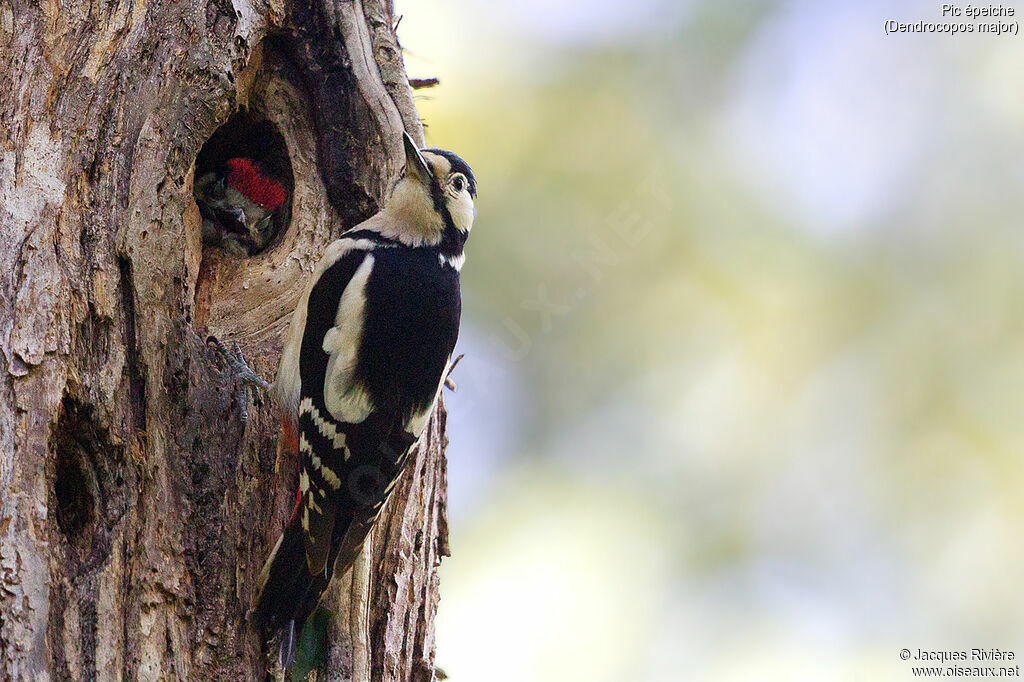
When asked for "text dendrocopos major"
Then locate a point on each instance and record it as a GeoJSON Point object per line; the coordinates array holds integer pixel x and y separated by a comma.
{"type": "Point", "coordinates": [243, 205]}
{"type": "Point", "coordinates": [363, 363]}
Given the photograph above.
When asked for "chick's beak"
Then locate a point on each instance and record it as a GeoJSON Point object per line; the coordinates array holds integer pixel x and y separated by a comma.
{"type": "Point", "coordinates": [415, 165]}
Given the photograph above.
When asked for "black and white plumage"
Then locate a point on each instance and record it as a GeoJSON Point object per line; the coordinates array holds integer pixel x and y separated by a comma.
{"type": "Point", "coordinates": [365, 358]}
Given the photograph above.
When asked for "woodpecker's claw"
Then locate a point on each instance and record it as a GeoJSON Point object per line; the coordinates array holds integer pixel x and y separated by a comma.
{"type": "Point", "coordinates": [248, 377]}
{"type": "Point", "coordinates": [237, 362]}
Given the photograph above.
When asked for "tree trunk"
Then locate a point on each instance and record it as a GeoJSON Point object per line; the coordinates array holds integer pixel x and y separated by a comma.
{"type": "Point", "coordinates": [137, 506]}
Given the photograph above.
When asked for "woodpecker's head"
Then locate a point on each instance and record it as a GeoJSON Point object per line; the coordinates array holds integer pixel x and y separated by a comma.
{"type": "Point", "coordinates": [255, 184]}
{"type": "Point", "coordinates": [242, 205]}
{"type": "Point", "coordinates": [433, 202]}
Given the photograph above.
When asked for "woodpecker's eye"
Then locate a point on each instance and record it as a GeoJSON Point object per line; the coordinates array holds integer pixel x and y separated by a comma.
{"type": "Point", "coordinates": [459, 183]}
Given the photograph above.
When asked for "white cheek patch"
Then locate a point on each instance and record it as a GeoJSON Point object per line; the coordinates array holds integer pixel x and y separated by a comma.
{"type": "Point", "coordinates": [345, 401]}
{"type": "Point", "coordinates": [462, 211]}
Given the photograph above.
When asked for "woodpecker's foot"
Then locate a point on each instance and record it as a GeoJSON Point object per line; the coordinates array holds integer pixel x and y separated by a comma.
{"type": "Point", "coordinates": [248, 377]}
{"type": "Point", "coordinates": [448, 382]}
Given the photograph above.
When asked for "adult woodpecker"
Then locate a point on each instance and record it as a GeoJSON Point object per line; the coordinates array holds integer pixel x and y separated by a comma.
{"type": "Point", "coordinates": [243, 205]}
{"type": "Point", "coordinates": [363, 364]}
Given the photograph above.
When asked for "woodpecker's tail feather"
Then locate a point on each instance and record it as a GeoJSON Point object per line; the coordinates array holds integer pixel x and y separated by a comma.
{"type": "Point", "coordinates": [289, 643]}
{"type": "Point", "coordinates": [288, 593]}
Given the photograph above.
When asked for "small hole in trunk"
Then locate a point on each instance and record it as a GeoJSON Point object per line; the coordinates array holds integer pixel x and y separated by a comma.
{"type": "Point", "coordinates": [74, 484]}
{"type": "Point", "coordinates": [243, 186]}
{"type": "Point", "coordinates": [90, 490]}
{"type": "Point", "coordinates": [74, 497]}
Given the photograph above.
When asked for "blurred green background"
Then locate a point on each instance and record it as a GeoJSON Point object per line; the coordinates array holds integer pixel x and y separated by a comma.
{"type": "Point", "coordinates": [744, 338]}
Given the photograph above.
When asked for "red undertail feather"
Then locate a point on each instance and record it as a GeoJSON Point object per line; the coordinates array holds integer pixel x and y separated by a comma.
{"type": "Point", "coordinates": [289, 436]}
{"type": "Point", "coordinates": [289, 447]}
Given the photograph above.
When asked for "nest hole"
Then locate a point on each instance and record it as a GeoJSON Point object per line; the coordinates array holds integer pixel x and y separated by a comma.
{"type": "Point", "coordinates": [243, 186]}
{"type": "Point", "coordinates": [76, 443]}
{"type": "Point", "coordinates": [91, 483]}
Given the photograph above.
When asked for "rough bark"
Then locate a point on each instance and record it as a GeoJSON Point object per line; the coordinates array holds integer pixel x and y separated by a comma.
{"type": "Point", "coordinates": [137, 508]}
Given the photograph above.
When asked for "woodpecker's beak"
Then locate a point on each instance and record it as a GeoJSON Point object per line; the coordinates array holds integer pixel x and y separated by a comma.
{"type": "Point", "coordinates": [415, 165]}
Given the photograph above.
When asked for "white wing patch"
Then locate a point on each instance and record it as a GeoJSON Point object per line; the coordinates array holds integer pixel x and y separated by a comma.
{"type": "Point", "coordinates": [288, 383]}
{"type": "Point", "coordinates": [345, 401]}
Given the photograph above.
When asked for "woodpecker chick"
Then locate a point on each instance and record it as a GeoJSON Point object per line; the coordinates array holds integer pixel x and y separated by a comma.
{"type": "Point", "coordinates": [364, 361]}
{"type": "Point", "coordinates": [242, 204]}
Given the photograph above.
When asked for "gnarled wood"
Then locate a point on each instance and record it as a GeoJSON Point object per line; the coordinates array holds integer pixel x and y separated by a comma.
{"type": "Point", "coordinates": [137, 508]}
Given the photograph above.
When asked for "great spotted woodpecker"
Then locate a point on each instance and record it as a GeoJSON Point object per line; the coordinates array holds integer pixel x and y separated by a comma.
{"type": "Point", "coordinates": [363, 364]}
{"type": "Point", "coordinates": [243, 205]}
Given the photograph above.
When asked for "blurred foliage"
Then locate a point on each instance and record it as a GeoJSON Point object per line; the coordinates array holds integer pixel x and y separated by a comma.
{"type": "Point", "coordinates": [756, 270]}
{"type": "Point", "coordinates": [311, 648]}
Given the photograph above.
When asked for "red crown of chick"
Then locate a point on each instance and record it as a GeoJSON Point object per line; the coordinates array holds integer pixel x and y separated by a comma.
{"type": "Point", "coordinates": [244, 176]}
